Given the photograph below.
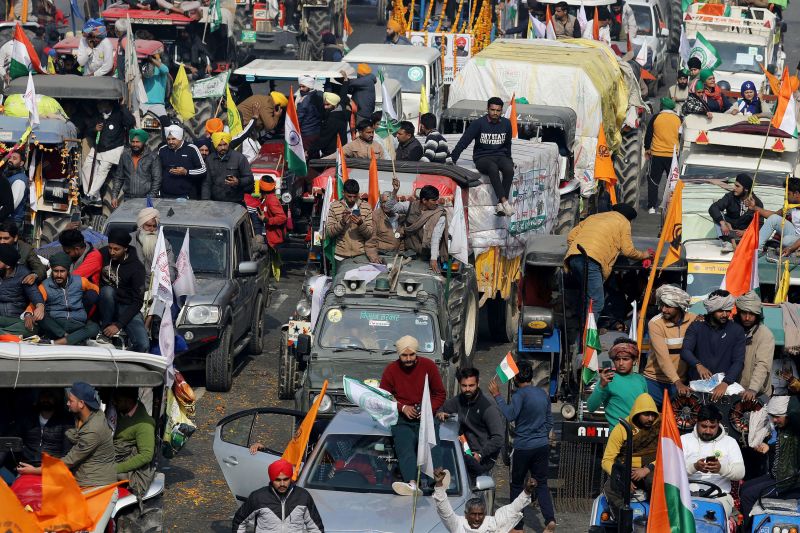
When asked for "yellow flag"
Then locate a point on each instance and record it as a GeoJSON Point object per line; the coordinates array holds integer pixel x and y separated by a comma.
{"type": "Point", "coordinates": [181, 98]}
{"type": "Point", "coordinates": [423, 101]}
{"type": "Point", "coordinates": [782, 291]}
{"type": "Point", "coordinates": [51, 67]}
{"type": "Point", "coordinates": [234, 118]}
{"type": "Point", "coordinates": [296, 448]}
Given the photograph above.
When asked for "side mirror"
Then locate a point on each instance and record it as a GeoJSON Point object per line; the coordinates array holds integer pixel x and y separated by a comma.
{"type": "Point", "coordinates": [248, 268]}
{"type": "Point", "coordinates": [664, 32]}
{"type": "Point", "coordinates": [449, 351]}
{"type": "Point", "coordinates": [302, 347]}
{"type": "Point", "coordinates": [484, 483]}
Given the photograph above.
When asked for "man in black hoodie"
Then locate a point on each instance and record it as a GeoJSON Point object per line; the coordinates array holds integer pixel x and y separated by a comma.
{"type": "Point", "coordinates": [492, 151]}
{"type": "Point", "coordinates": [334, 124]}
{"type": "Point", "coordinates": [730, 213]}
{"type": "Point", "coordinates": [111, 125]}
{"type": "Point", "coordinates": [122, 281]}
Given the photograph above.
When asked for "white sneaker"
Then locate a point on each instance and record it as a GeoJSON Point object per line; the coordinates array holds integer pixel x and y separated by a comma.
{"type": "Point", "coordinates": [508, 208]}
{"type": "Point", "coordinates": [500, 210]}
{"type": "Point", "coordinates": [727, 247]}
{"type": "Point", "coordinates": [652, 211]}
{"type": "Point", "coordinates": [406, 489]}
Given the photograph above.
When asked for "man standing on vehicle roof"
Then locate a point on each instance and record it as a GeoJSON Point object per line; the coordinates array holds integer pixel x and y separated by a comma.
{"type": "Point", "coordinates": [281, 506]}
{"type": "Point", "coordinates": [788, 230]}
{"type": "Point", "coordinates": [660, 141]}
{"type": "Point", "coordinates": [665, 369]}
{"type": "Point", "coordinates": [16, 296]}
{"type": "Point", "coordinates": [229, 176]}
{"type": "Point", "coordinates": [95, 53]}
{"type": "Point", "coordinates": [394, 34]}
{"type": "Point", "coordinates": [716, 344]}
{"type": "Point", "coordinates": [604, 236]}
{"type": "Point", "coordinates": [182, 166]}
{"type": "Point", "coordinates": [112, 123]}
{"type": "Point", "coordinates": [86, 261]}
{"type": "Point", "coordinates": [492, 152]}
{"type": "Point", "coordinates": [138, 174]}
{"type": "Point", "coordinates": [731, 214]}
{"type": "Point", "coordinates": [310, 110]}
{"type": "Point", "coordinates": [362, 92]}
{"type": "Point", "coordinates": [350, 223]}
{"type": "Point", "coordinates": [91, 457]}
{"type": "Point", "coordinates": [618, 387]}
{"type": "Point", "coordinates": [405, 380]}
{"type": "Point", "coordinates": [480, 423]}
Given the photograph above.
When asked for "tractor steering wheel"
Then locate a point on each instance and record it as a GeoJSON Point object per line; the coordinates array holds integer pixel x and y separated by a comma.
{"type": "Point", "coordinates": [713, 491]}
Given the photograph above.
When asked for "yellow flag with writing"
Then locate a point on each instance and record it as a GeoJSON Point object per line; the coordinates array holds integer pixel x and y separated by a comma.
{"type": "Point", "coordinates": [234, 118]}
{"type": "Point", "coordinates": [181, 98]}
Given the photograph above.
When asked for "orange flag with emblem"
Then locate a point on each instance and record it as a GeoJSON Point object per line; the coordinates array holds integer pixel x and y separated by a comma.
{"type": "Point", "coordinates": [15, 517]}
{"type": "Point", "coordinates": [604, 166]}
{"type": "Point", "coordinates": [296, 449]}
{"type": "Point", "coordinates": [63, 505]}
{"type": "Point", "coordinates": [374, 191]}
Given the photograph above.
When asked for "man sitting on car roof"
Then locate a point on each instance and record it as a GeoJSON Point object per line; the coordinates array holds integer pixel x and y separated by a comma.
{"type": "Point", "coordinates": [85, 259]}
{"type": "Point", "coordinates": [15, 295]}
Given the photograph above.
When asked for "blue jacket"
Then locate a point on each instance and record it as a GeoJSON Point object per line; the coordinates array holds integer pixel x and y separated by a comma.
{"type": "Point", "coordinates": [14, 296]}
{"type": "Point", "coordinates": [309, 114]}
{"type": "Point", "coordinates": [530, 412]}
{"type": "Point", "coordinates": [19, 212]}
{"type": "Point", "coordinates": [717, 349]}
{"type": "Point", "coordinates": [66, 302]}
{"type": "Point", "coordinates": [188, 157]}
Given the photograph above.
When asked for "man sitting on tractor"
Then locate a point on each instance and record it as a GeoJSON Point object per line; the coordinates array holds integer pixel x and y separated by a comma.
{"type": "Point", "coordinates": [788, 230]}
{"type": "Point", "coordinates": [730, 213]}
{"type": "Point", "coordinates": [759, 350]}
{"type": "Point", "coordinates": [350, 223]}
{"type": "Point", "coordinates": [712, 456]}
{"type": "Point", "coordinates": [619, 386]}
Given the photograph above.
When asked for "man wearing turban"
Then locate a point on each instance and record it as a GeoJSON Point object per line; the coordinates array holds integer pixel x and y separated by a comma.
{"type": "Point", "coordinates": [405, 380]}
{"type": "Point", "coordinates": [716, 344]}
{"type": "Point", "coordinates": [95, 53]}
{"type": "Point", "coordinates": [138, 174]}
{"type": "Point", "coordinates": [310, 109]}
{"type": "Point", "coordinates": [334, 126]}
{"type": "Point", "coordinates": [182, 166]}
{"type": "Point", "coordinates": [394, 34]}
{"type": "Point", "coordinates": [660, 140]}
{"type": "Point", "coordinates": [665, 369]}
{"type": "Point", "coordinates": [362, 92]}
{"type": "Point", "coordinates": [619, 387]}
{"type": "Point", "coordinates": [759, 349]}
{"type": "Point", "coordinates": [229, 176]}
{"type": "Point", "coordinates": [280, 506]}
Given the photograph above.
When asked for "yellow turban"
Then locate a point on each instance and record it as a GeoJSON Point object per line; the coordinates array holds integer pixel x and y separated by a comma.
{"type": "Point", "coordinates": [331, 99]}
{"type": "Point", "coordinates": [220, 136]}
{"type": "Point", "coordinates": [279, 98]}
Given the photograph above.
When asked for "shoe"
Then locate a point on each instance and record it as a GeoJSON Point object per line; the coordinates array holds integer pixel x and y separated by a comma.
{"type": "Point", "coordinates": [551, 527]}
{"type": "Point", "coordinates": [508, 208]}
{"type": "Point", "coordinates": [500, 210]}
{"type": "Point", "coordinates": [651, 211]}
{"type": "Point", "coordinates": [102, 339]}
{"type": "Point", "coordinates": [406, 489]}
{"type": "Point", "coordinates": [290, 28]}
{"type": "Point", "coordinates": [727, 247]}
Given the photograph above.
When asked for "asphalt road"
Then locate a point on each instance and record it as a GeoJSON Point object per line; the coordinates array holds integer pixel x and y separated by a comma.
{"type": "Point", "coordinates": [197, 498]}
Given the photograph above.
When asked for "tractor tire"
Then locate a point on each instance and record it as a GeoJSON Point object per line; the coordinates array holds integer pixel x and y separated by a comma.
{"type": "Point", "coordinates": [628, 167]}
{"type": "Point", "coordinates": [541, 372]}
{"type": "Point", "coordinates": [219, 364]}
{"type": "Point", "coordinates": [383, 12]}
{"type": "Point", "coordinates": [503, 317]}
{"type": "Point", "coordinates": [204, 109]}
{"type": "Point", "coordinates": [675, 23]}
{"type": "Point", "coordinates": [241, 19]}
{"type": "Point", "coordinates": [154, 140]}
{"type": "Point", "coordinates": [469, 335]}
{"type": "Point", "coordinates": [150, 519]}
{"type": "Point", "coordinates": [51, 227]}
{"type": "Point", "coordinates": [288, 373]}
{"type": "Point", "coordinates": [318, 21]}
{"type": "Point", "coordinates": [569, 212]}
{"type": "Point", "coordinates": [256, 344]}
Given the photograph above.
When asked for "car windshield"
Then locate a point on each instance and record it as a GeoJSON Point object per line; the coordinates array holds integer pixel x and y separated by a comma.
{"type": "Point", "coordinates": [738, 57]}
{"type": "Point", "coordinates": [368, 464]}
{"type": "Point", "coordinates": [765, 177]}
{"type": "Point", "coordinates": [410, 77]}
{"type": "Point", "coordinates": [700, 285]}
{"type": "Point", "coordinates": [644, 19]}
{"type": "Point", "coordinates": [374, 329]}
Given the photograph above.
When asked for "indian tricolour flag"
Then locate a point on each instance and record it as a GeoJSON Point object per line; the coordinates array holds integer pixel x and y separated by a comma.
{"type": "Point", "coordinates": [671, 501]}
{"type": "Point", "coordinates": [24, 58]}
{"type": "Point", "coordinates": [294, 154]}
{"type": "Point", "coordinates": [507, 368]}
{"type": "Point", "coordinates": [591, 347]}
{"type": "Point", "coordinates": [785, 118]}
{"type": "Point", "coordinates": [705, 52]}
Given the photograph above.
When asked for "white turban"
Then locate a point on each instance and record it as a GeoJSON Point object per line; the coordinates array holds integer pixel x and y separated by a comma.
{"type": "Point", "coordinates": [719, 303]}
{"type": "Point", "coordinates": [147, 214]}
{"type": "Point", "coordinates": [778, 405]}
{"type": "Point", "coordinates": [305, 79]}
{"type": "Point", "coordinates": [174, 131]}
{"type": "Point", "coordinates": [672, 296]}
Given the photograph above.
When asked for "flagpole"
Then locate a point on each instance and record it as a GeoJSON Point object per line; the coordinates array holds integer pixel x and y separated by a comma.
{"type": "Point", "coordinates": [414, 508]}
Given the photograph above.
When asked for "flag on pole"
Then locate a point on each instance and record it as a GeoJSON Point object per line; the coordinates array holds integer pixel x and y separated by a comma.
{"type": "Point", "coordinates": [465, 445]}
{"type": "Point", "coordinates": [342, 173]}
{"type": "Point", "coordinates": [185, 282]}
{"type": "Point", "coordinates": [550, 29]}
{"type": "Point", "coordinates": [782, 290]}
{"type": "Point", "coordinates": [294, 155]}
{"type": "Point", "coordinates": [133, 74]}
{"type": "Point", "coordinates": [604, 166]}
{"type": "Point", "coordinates": [684, 49]}
{"type": "Point", "coordinates": [705, 52]}
{"type": "Point", "coordinates": [328, 245]}
{"type": "Point", "coordinates": [347, 29]}
{"type": "Point", "coordinates": [161, 291]}
{"type": "Point", "coordinates": [388, 124]}
{"type": "Point", "coordinates": [373, 189]}
{"type": "Point", "coordinates": [536, 28]}
{"type": "Point", "coordinates": [670, 501]}
{"type": "Point", "coordinates": [591, 346]}
{"type": "Point", "coordinates": [380, 405]}
{"type": "Point", "coordinates": [459, 245]}
{"type": "Point", "coordinates": [424, 107]}
{"type": "Point", "coordinates": [674, 176]}
{"type": "Point", "coordinates": [295, 451]}
{"type": "Point", "coordinates": [427, 434]}
{"type": "Point", "coordinates": [181, 98]}
{"type": "Point", "coordinates": [215, 15]}
{"type": "Point", "coordinates": [30, 102]}
{"type": "Point", "coordinates": [24, 58]}
{"type": "Point", "coordinates": [785, 118]}
{"type": "Point", "coordinates": [234, 118]}
{"type": "Point", "coordinates": [15, 517]}
{"type": "Point", "coordinates": [742, 273]}
{"type": "Point", "coordinates": [511, 114]}
{"type": "Point", "coordinates": [507, 368]}
{"type": "Point", "coordinates": [774, 82]}
{"type": "Point", "coordinates": [596, 25]}
{"type": "Point", "coordinates": [641, 56]}
{"type": "Point", "coordinates": [672, 228]}
{"type": "Point", "coordinates": [632, 334]}
{"type": "Point", "coordinates": [582, 20]}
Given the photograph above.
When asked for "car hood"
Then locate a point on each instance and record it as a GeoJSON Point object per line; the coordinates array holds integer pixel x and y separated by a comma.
{"type": "Point", "coordinates": [345, 512]}
{"type": "Point", "coordinates": [334, 369]}
{"type": "Point", "coordinates": [208, 291]}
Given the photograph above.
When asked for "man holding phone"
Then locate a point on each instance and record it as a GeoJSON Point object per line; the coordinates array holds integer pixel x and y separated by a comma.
{"type": "Point", "coordinates": [618, 386]}
{"type": "Point", "coordinates": [350, 223]}
{"type": "Point", "coordinates": [229, 175]}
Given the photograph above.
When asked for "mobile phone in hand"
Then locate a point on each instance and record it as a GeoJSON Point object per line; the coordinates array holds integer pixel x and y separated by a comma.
{"type": "Point", "coordinates": [711, 459]}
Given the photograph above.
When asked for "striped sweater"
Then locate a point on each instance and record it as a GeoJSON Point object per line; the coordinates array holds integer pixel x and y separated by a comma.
{"type": "Point", "coordinates": [436, 149]}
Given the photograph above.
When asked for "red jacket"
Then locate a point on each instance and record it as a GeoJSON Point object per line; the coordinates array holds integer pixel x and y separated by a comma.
{"type": "Point", "coordinates": [408, 386]}
{"type": "Point", "coordinates": [90, 267]}
{"type": "Point", "coordinates": [275, 219]}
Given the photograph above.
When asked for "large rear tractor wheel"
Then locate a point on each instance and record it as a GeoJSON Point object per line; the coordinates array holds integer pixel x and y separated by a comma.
{"type": "Point", "coordinates": [51, 227]}
{"type": "Point", "coordinates": [204, 109]}
{"type": "Point", "coordinates": [628, 167]}
{"type": "Point", "coordinates": [148, 519]}
{"type": "Point", "coordinates": [383, 13]}
{"type": "Point", "coordinates": [470, 333]}
{"type": "Point", "coordinates": [569, 212]}
{"type": "Point", "coordinates": [675, 23]}
{"type": "Point", "coordinates": [219, 364]}
{"type": "Point", "coordinates": [317, 20]}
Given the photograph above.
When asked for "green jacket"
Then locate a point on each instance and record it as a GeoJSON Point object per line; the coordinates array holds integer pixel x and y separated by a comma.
{"type": "Point", "coordinates": [91, 458]}
{"type": "Point", "coordinates": [618, 396]}
{"type": "Point", "coordinates": [141, 429]}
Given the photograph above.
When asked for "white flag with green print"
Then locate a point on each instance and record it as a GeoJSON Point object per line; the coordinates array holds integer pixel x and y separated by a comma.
{"type": "Point", "coordinates": [705, 52]}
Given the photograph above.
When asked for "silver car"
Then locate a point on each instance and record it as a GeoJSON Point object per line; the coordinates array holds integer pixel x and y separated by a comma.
{"type": "Point", "coordinates": [349, 472]}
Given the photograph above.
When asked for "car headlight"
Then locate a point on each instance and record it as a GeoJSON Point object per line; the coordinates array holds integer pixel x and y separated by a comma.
{"type": "Point", "coordinates": [202, 314]}
{"type": "Point", "coordinates": [325, 405]}
{"type": "Point", "coordinates": [303, 308]}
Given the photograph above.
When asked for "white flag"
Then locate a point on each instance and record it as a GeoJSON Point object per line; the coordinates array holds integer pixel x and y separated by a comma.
{"type": "Point", "coordinates": [133, 74]}
{"type": "Point", "coordinates": [387, 104]}
{"type": "Point", "coordinates": [458, 246]}
{"type": "Point", "coordinates": [160, 281]}
{"type": "Point", "coordinates": [30, 102]}
{"type": "Point", "coordinates": [641, 57]}
{"type": "Point", "coordinates": [538, 27]}
{"type": "Point", "coordinates": [582, 20]}
{"type": "Point", "coordinates": [634, 323]}
{"type": "Point", "coordinates": [674, 174]}
{"type": "Point", "coordinates": [33, 199]}
{"type": "Point", "coordinates": [326, 204]}
{"type": "Point", "coordinates": [185, 282]}
{"type": "Point", "coordinates": [684, 48]}
{"type": "Point", "coordinates": [166, 343]}
{"type": "Point", "coordinates": [427, 434]}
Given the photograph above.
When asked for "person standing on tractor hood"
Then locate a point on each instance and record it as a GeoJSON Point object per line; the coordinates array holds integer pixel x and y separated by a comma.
{"type": "Point", "coordinates": [393, 34]}
{"type": "Point", "coordinates": [281, 506]}
{"type": "Point", "coordinates": [604, 236]}
{"type": "Point", "coordinates": [759, 350]}
{"type": "Point", "coordinates": [310, 110]}
{"type": "Point", "coordinates": [182, 166]}
{"type": "Point", "coordinates": [492, 151]}
{"type": "Point", "coordinates": [112, 123]}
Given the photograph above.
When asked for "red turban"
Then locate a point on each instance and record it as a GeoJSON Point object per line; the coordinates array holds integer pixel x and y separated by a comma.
{"type": "Point", "coordinates": [281, 466]}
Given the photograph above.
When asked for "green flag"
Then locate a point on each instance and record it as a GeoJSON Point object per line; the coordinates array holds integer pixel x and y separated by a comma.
{"type": "Point", "coordinates": [705, 52]}
{"type": "Point", "coordinates": [389, 123]}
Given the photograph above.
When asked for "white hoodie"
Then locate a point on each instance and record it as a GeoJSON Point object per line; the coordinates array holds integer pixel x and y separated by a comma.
{"type": "Point", "coordinates": [725, 448]}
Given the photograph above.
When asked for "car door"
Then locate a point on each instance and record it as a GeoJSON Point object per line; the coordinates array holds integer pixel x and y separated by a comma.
{"type": "Point", "coordinates": [272, 427]}
{"type": "Point", "coordinates": [242, 299]}
{"type": "Point", "coordinates": [437, 87]}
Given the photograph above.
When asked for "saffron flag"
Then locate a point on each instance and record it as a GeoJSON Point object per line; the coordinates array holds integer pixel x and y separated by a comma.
{"type": "Point", "coordinates": [742, 273]}
{"type": "Point", "coordinates": [511, 114]}
{"type": "Point", "coordinates": [15, 517]}
{"type": "Point", "coordinates": [670, 501]}
{"type": "Point", "coordinates": [427, 433]}
{"type": "Point", "coordinates": [672, 229]}
{"type": "Point", "coordinates": [550, 29]}
{"type": "Point", "coordinates": [785, 118]}
{"type": "Point", "coordinates": [24, 58]}
{"type": "Point", "coordinates": [63, 506]}
{"type": "Point", "coordinates": [296, 449]}
{"type": "Point", "coordinates": [181, 98]}
{"type": "Point", "coordinates": [294, 154]}
{"type": "Point", "coordinates": [591, 346]}
{"type": "Point", "coordinates": [596, 25]}
{"type": "Point", "coordinates": [373, 190]}
{"type": "Point", "coordinates": [507, 368]}
{"type": "Point", "coordinates": [234, 118]}
{"type": "Point", "coordinates": [604, 166]}
{"type": "Point", "coordinates": [774, 82]}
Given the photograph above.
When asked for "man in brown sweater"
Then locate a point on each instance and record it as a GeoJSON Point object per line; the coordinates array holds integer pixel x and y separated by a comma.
{"type": "Point", "coordinates": [387, 226]}
{"type": "Point", "coordinates": [350, 223]}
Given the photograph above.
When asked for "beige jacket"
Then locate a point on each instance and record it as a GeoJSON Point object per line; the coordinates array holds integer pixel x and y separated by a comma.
{"type": "Point", "coordinates": [758, 356]}
{"type": "Point", "coordinates": [351, 239]}
{"type": "Point", "coordinates": [664, 363]}
{"type": "Point", "coordinates": [360, 148]}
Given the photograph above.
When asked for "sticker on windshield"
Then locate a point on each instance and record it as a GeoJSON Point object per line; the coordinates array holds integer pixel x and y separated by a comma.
{"type": "Point", "coordinates": [428, 347]}
{"type": "Point", "coordinates": [373, 315]}
{"type": "Point", "coordinates": [759, 57]}
{"type": "Point", "coordinates": [753, 50]}
{"type": "Point", "coordinates": [334, 315]}
{"type": "Point", "coordinates": [421, 320]}
{"type": "Point", "coordinates": [690, 279]}
{"type": "Point", "coordinates": [379, 323]}
{"type": "Point", "coordinates": [415, 73]}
